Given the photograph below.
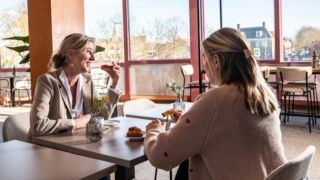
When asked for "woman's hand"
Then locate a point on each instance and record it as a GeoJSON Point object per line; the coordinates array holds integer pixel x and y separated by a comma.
{"type": "Point", "coordinates": [153, 124]}
{"type": "Point", "coordinates": [82, 121]}
{"type": "Point", "coordinates": [175, 114]}
{"type": "Point", "coordinates": [114, 73]}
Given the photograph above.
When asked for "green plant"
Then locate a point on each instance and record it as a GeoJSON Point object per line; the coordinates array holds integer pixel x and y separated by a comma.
{"type": "Point", "coordinates": [21, 48]}
{"type": "Point", "coordinates": [99, 104]}
{"type": "Point", "coordinates": [174, 87]}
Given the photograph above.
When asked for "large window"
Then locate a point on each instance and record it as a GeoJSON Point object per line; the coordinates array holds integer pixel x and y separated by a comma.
{"type": "Point", "coordinates": [211, 16]}
{"type": "Point", "coordinates": [301, 29]}
{"type": "Point", "coordinates": [255, 19]}
{"type": "Point", "coordinates": [151, 79]}
{"type": "Point", "coordinates": [159, 29]}
{"type": "Point", "coordinates": [104, 21]}
{"type": "Point", "coordinates": [13, 22]}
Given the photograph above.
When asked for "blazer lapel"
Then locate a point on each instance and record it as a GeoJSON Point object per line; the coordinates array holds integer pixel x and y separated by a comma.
{"type": "Point", "coordinates": [64, 94]}
{"type": "Point", "coordinates": [87, 91]}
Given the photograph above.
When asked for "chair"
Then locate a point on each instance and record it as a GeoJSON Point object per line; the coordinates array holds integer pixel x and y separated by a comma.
{"type": "Point", "coordinates": [294, 82]}
{"type": "Point", "coordinates": [187, 71]}
{"type": "Point", "coordinates": [5, 87]}
{"type": "Point", "coordinates": [274, 84]}
{"type": "Point", "coordinates": [265, 72]}
{"type": "Point", "coordinates": [16, 127]}
{"type": "Point", "coordinates": [295, 169]}
{"type": "Point", "coordinates": [23, 85]}
{"type": "Point", "coordinates": [137, 105]}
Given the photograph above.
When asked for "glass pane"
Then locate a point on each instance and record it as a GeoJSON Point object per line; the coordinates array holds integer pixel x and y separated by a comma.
{"type": "Point", "coordinates": [151, 79]}
{"type": "Point", "coordinates": [159, 29]}
{"type": "Point", "coordinates": [301, 29]}
{"type": "Point", "coordinates": [103, 20]}
{"type": "Point", "coordinates": [99, 79]}
{"type": "Point", "coordinates": [211, 16]}
{"type": "Point", "coordinates": [14, 22]}
{"type": "Point", "coordinates": [254, 18]}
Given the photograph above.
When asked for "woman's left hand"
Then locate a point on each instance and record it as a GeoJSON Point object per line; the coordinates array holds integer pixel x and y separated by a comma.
{"type": "Point", "coordinates": [153, 124]}
{"type": "Point", "coordinates": [114, 73]}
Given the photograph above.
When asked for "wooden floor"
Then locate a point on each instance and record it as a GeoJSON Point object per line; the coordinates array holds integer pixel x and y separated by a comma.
{"type": "Point", "coordinates": [295, 139]}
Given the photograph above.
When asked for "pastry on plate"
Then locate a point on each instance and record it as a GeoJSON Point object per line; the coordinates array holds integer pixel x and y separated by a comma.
{"type": "Point", "coordinates": [134, 132]}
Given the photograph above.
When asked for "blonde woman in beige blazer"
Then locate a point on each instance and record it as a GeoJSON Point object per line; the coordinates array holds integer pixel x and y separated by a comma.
{"type": "Point", "coordinates": [63, 96]}
{"type": "Point", "coordinates": [231, 132]}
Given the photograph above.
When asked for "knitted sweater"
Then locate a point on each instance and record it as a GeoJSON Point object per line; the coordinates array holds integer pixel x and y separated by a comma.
{"type": "Point", "coordinates": [221, 138]}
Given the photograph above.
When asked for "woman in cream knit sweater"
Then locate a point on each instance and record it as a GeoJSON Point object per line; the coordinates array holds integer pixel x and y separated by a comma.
{"type": "Point", "coordinates": [231, 131]}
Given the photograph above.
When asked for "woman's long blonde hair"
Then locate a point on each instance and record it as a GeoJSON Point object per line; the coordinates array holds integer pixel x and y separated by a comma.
{"type": "Point", "coordinates": [237, 66]}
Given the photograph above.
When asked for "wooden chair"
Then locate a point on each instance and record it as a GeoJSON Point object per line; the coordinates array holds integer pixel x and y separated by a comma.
{"type": "Point", "coordinates": [294, 82]}
{"type": "Point", "coordinates": [274, 84]}
{"type": "Point", "coordinates": [5, 88]}
{"type": "Point", "coordinates": [23, 85]}
{"type": "Point", "coordinates": [187, 72]}
{"type": "Point", "coordinates": [295, 169]}
{"type": "Point", "coordinates": [265, 72]}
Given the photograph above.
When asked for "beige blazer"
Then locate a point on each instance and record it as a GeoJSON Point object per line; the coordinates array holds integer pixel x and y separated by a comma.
{"type": "Point", "coordinates": [51, 110]}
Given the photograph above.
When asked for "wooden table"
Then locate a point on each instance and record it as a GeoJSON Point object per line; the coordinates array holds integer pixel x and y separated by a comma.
{"type": "Point", "coordinates": [20, 160]}
{"type": "Point", "coordinates": [155, 113]}
{"type": "Point", "coordinates": [114, 146]}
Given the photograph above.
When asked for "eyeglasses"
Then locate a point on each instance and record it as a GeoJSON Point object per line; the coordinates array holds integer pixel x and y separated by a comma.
{"type": "Point", "coordinates": [90, 50]}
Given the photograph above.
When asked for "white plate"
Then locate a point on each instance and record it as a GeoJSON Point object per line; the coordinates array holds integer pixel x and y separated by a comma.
{"type": "Point", "coordinates": [137, 138]}
{"type": "Point", "coordinates": [111, 122]}
{"type": "Point", "coordinates": [105, 128]}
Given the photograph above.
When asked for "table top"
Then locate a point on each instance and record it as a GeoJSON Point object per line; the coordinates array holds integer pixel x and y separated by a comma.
{"type": "Point", "coordinates": [155, 113]}
{"type": "Point", "coordinates": [114, 147]}
{"type": "Point", "coordinates": [21, 160]}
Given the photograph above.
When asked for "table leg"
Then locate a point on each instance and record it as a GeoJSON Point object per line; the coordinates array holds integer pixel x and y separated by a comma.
{"type": "Point", "coordinates": [13, 102]}
{"type": "Point", "coordinates": [124, 173]}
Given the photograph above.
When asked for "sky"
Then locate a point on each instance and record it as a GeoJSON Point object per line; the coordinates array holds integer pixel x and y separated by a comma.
{"type": "Point", "coordinates": [296, 13]}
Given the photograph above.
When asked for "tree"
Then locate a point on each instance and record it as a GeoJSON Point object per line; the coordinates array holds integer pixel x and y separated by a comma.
{"type": "Point", "coordinates": [14, 22]}
{"type": "Point", "coordinates": [305, 36]}
{"type": "Point", "coordinates": [174, 28]}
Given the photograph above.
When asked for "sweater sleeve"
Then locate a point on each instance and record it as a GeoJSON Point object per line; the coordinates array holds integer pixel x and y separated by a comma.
{"type": "Point", "coordinates": [165, 150]}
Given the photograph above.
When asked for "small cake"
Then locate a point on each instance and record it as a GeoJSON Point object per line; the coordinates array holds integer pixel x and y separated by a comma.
{"type": "Point", "coordinates": [167, 113]}
{"type": "Point", "coordinates": [134, 132]}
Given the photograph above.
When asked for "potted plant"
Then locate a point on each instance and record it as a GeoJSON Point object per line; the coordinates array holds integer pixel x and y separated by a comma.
{"type": "Point", "coordinates": [94, 127]}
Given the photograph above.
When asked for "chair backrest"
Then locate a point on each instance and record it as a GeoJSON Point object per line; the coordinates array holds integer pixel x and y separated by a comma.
{"type": "Point", "coordinates": [297, 73]}
{"type": "Point", "coordinates": [23, 83]}
{"type": "Point", "coordinates": [295, 169]}
{"type": "Point", "coordinates": [16, 127]}
{"type": "Point", "coordinates": [187, 70]}
{"type": "Point", "coordinates": [265, 72]}
{"type": "Point", "coordinates": [137, 105]}
{"type": "Point", "coordinates": [4, 84]}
